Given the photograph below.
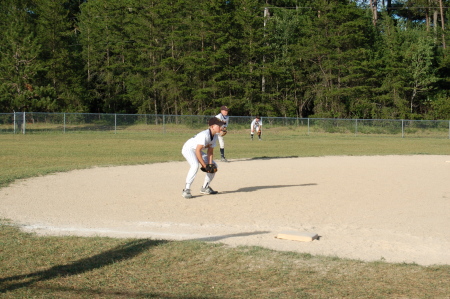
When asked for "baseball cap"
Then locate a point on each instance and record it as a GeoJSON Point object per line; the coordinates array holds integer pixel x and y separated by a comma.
{"type": "Point", "coordinates": [224, 108]}
{"type": "Point", "coordinates": [215, 121]}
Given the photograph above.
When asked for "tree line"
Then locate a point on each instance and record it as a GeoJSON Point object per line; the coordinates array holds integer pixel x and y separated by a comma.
{"type": "Point", "coordinates": [283, 58]}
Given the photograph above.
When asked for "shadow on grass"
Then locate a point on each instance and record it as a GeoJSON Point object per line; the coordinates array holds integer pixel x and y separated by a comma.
{"type": "Point", "coordinates": [114, 255]}
{"type": "Point", "coordinates": [256, 188]}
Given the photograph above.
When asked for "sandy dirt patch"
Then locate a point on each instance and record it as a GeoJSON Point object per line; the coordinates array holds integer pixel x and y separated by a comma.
{"type": "Point", "coordinates": [390, 208]}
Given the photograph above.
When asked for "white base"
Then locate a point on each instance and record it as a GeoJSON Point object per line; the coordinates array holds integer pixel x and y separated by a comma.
{"type": "Point", "coordinates": [297, 236]}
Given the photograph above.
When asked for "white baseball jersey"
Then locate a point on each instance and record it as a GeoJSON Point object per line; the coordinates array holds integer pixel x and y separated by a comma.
{"type": "Point", "coordinates": [223, 118]}
{"type": "Point", "coordinates": [256, 124]}
{"type": "Point", "coordinates": [204, 138]}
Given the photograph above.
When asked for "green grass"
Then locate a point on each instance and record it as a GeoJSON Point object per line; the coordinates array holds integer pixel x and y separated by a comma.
{"type": "Point", "coordinates": [23, 156]}
{"type": "Point", "coordinates": [79, 267]}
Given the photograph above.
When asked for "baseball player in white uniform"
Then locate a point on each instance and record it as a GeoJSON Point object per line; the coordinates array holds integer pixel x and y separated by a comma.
{"type": "Point", "coordinates": [223, 116]}
{"type": "Point", "coordinates": [193, 152]}
{"type": "Point", "coordinates": [256, 126]}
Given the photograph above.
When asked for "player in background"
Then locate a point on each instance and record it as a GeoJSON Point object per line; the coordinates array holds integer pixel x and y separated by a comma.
{"type": "Point", "coordinates": [193, 152]}
{"type": "Point", "coordinates": [256, 125]}
{"type": "Point", "coordinates": [223, 116]}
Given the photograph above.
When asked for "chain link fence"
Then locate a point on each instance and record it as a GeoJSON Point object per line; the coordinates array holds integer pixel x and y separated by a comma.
{"type": "Point", "coordinates": [39, 122]}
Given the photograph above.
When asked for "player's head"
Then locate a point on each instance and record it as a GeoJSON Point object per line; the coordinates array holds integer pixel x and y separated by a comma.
{"type": "Point", "coordinates": [215, 121]}
{"type": "Point", "coordinates": [224, 110]}
{"type": "Point", "coordinates": [215, 124]}
{"type": "Point", "coordinates": [258, 117]}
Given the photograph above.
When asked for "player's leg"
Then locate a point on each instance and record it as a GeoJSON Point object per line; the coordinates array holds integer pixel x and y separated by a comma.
{"type": "Point", "coordinates": [190, 157]}
{"type": "Point", "coordinates": [222, 149]}
{"type": "Point", "coordinates": [206, 189]}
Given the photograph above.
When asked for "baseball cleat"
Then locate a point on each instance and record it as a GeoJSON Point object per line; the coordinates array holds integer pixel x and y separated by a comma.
{"type": "Point", "coordinates": [186, 193]}
{"type": "Point", "coordinates": [223, 159]}
{"type": "Point", "coordinates": [208, 190]}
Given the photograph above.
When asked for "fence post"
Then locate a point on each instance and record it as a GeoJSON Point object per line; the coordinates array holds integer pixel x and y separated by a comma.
{"type": "Point", "coordinates": [403, 130]}
{"type": "Point", "coordinates": [308, 126]}
{"type": "Point", "coordinates": [356, 127]}
{"type": "Point", "coordinates": [24, 122]}
{"type": "Point", "coordinates": [115, 123]}
{"type": "Point", "coordinates": [64, 124]}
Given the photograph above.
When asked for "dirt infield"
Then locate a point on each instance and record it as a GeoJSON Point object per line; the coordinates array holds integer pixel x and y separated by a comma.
{"type": "Point", "coordinates": [391, 208]}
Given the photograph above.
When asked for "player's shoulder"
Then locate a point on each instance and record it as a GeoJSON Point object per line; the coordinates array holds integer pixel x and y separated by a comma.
{"type": "Point", "coordinates": [206, 132]}
{"type": "Point", "coordinates": [202, 133]}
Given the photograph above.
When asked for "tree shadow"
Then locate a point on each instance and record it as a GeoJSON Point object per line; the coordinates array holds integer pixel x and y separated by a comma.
{"type": "Point", "coordinates": [217, 238]}
{"type": "Point", "coordinates": [269, 158]}
{"type": "Point", "coordinates": [261, 158]}
{"type": "Point", "coordinates": [256, 188]}
{"type": "Point", "coordinates": [119, 253]}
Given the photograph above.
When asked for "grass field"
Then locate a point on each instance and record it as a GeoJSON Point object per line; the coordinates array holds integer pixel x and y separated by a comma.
{"type": "Point", "coordinates": [78, 267]}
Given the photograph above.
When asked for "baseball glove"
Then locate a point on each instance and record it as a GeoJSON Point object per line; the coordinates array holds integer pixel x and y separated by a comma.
{"type": "Point", "coordinates": [223, 132]}
{"type": "Point", "coordinates": [210, 168]}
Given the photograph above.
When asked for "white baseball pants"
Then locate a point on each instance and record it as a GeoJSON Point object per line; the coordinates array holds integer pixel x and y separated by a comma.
{"type": "Point", "coordinates": [189, 155]}
{"type": "Point", "coordinates": [221, 142]}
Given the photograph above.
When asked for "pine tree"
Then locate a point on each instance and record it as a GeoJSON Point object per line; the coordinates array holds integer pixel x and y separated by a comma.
{"type": "Point", "coordinates": [19, 62]}
{"type": "Point", "coordinates": [59, 54]}
{"type": "Point", "coordinates": [105, 39]}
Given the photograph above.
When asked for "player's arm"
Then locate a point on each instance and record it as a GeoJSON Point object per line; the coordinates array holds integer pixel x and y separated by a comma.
{"type": "Point", "coordinates": [210, 154]}
{"type": "Point", "coordinates": [198, 154]}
